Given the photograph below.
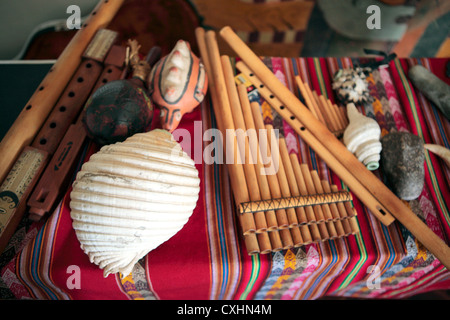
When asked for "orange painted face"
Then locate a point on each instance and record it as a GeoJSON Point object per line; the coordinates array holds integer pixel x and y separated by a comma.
{"type": "Point", "coordinates": [177, 84]}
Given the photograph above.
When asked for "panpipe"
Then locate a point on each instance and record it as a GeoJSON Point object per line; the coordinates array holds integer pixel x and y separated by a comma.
{"type": "Point", "coordinates": [281, 209]}
{"type": "Point", "coordinates": [370, 190]}
{"type": "Point", "coordinates": [55, 148]}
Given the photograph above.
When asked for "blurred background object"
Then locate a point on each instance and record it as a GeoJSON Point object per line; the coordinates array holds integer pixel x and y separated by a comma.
{"type": "Point", "coordinates": [36, 29]}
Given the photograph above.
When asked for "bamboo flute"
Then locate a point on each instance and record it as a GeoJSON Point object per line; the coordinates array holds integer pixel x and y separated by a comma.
{"type": "Point", "coordinates": [237, 174]}
{"type": "Point", "coordinates": [286, 192]}
{"type": "Point", "coordinates": [344, 212]}
{"type": "Point", "coordinates": [41, 103]}
{"type": "Point", "coordinates": [342, 113]}
{"type": "Point", "coordinates": [281, 175]}
{"type": "Point", "coordinates": [338, 122]}
{"type": "Point", "coordinates": [382, 200]}
{"type": "Point", "coordinates": [320, 218]}
{"type": "Point", "coordinates": [325, 207]}
{"type": "Point", "coordinates": [272, 225]}
{"type": "Point", "coordinates": [323, 112]}
{"type": "Point", "coordinates": [314, 229]}
{"type": "Point", "coordinates": [243, 146]}
{"type": "Point", "coordinates": [254, 148]}
{"type": "Point", "coordinates": [294, 190]}
{"type": "Point", "coordinates": [244, 150]}
{"type": "Point", "coordinates": [250, 239]}
{"type": "Point", "coordinates": [328, 114]}
{"type": "Point", "coordinates": [274, 185]}
{"type": "Point", "coordinates": [306, 96]}
{"type": "Point", "coordinates": [334, 211]}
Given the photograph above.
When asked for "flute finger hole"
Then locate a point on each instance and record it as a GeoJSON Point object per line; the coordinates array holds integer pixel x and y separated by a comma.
{"type": "Point", "coordinates": [302, 128]}
{"type": "Point", "coordinates": [43, 141]}
{"type": "Point", "coordinates": [52, 125]}
{"type": "Point", "coordinates": [281, 107]}
{"type": "Point", "coordinates": [28, 107]}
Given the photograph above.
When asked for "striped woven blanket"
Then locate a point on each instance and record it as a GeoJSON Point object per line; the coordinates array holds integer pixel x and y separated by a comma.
{"type": "Point", "coordinates": [207, 259]}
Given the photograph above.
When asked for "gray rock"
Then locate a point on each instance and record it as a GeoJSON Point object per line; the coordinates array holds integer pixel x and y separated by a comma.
{"type": "Point", "coordinates": [402, 161]}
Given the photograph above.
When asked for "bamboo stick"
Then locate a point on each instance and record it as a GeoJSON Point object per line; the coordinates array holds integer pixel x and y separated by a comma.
{"type": "Point", "coordinates": [254, 148]}
{"type": "Point", "coordinates": [244, 150]}
{"type": "Point", "coordinates": [250, 239]}
{"type": "Point", "coordinates": [313, 228]}
{"type": "Point", "coordinates": [243, 146]}
{"type": "Point", "coordinates": [294, 190]}
{"type": "Point", "coordinates": [325, 207]}
{"type": "Point", "coordinates": [285, 180]}
{"type": "Point", "coordinates": [329, 115]}
{"type": "Point", "coordinates": [340, 123]}
{"type": "Point", "coordinates": [320, 218]}
{"type": "Point", "coordinates": [334, 211]}
{"type": "Point", "coordinates": [41, 103]}
{"type": "Point", "coordinates": [306, 95]}
{"type": "Point", "coordinates": [275, 189]}
{"type": "Point", "coordinates": [237, 175]}
{"type": "Point", "coordinates": [344, 215]}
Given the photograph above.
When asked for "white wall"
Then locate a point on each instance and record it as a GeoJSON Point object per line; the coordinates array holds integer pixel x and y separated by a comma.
{"type": "Point", "coordinates": [18, 19]}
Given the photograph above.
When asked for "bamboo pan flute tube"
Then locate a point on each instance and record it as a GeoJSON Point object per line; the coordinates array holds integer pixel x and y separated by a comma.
{"type": "Point", "coordinates": [32, 117]}
{"type": "Point", "coordinates": [294, 190]}
{"type": "Point", "coordinates": [275, 236]}
{"type": "Point", "coordinates": [235, 111]}
{"type": "Point", "coordinates": [255, 150]}
{"type": "Point", "coordinates": [239, 191]}
{"type": "Point", "coordinates": [272, 177]}
{"type": "Point", "coordinates": [378, 198]}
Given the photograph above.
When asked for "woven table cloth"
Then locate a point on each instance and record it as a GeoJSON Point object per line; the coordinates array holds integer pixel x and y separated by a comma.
{"type": "Point", "coordinates": [207, 259]}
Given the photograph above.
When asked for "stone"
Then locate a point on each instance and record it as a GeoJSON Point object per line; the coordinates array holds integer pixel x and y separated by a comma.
{"type": "Point", "coordinates": [436, 90]}
{"type": "Point", "coordinates": [402, 162]}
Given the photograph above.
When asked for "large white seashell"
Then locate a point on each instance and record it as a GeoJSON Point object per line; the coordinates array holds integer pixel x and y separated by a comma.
{"type": "Point", "coordinates": [362, 138]}
{"type": "Point", "coordinates": [132, 196]}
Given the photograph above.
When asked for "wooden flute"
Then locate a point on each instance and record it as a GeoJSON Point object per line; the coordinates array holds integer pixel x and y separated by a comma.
{"type": "Point", "coordinates": [41, 103]}
{"type": "Point", "coordinates": [26, 171]}
{"type": "Point", "coordinates": [378, 198]}
{"type": "Point", "coordinates": [55, 178]}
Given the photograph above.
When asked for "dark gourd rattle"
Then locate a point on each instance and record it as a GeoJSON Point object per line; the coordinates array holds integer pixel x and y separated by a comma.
{"type": "Point", "coordinates": [121, 108]}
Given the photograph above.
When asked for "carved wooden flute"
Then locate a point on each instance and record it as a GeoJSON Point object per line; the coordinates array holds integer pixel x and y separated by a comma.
{"type": "Point", "coordinates": [54, 180]}
{"type": "Point", "coordinates": [26, 171]}
{"type": "Point", "coordinates": [335, 154]}
{"type": "Point", "coordinates": [35, 112]}
{"type": "Point", "coordinates": [56, 176]}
